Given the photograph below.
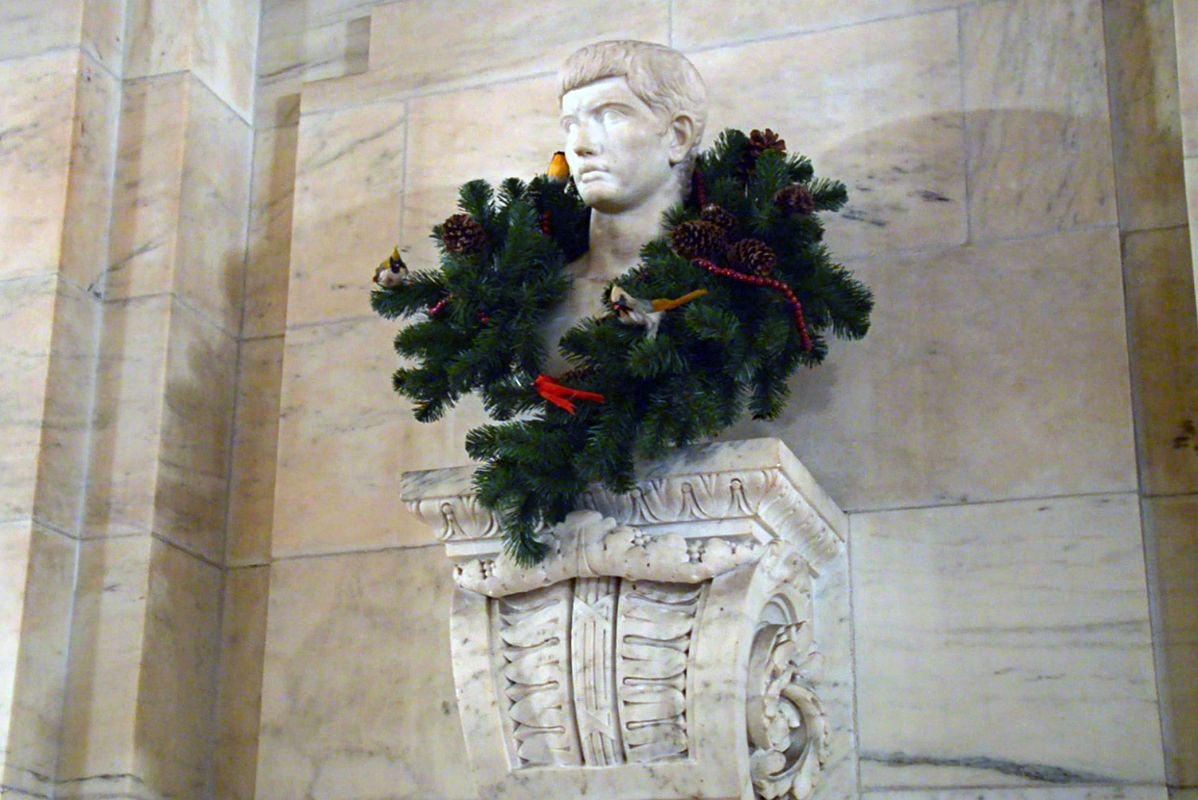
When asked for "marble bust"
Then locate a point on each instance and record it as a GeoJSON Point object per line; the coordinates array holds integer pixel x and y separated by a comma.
{"type": "Point", "coordinates": [633, 115]}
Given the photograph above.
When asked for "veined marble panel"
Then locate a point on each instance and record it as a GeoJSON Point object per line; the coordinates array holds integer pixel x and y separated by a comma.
{"type": "Point", "coordinates": [191, 492]}
{"type": "Point", "coordinates": [1037, 793]}
{"type": "Point", "coordinates": [350, 633]}
{"type": "Point", "coordinates": [339, 416]}
{"type": "Point", "coordinates": [1186, 23]}
{"type": "Point", "coordinates": [67, 412]}
{"type": "Point", "coordinates": [182, 197]}
{"type": "Point", "coordinates": [214, 194]}
{"type": "Point", "coordinates": [492, 133]}
{"type": "Point", "coordinates": [26, 325]}
{"type": "Point", "coordinates": [37, 110]}
{"type": "Point", "coordinates": [877, 106]}
{"type": "Point", "coordinates": [1171, 532]}
{"type": "Point", "coordinates": [349, 171]}
{"type": "Point", "coordinates": [990, 372]}
{"type": "Point", "coordinates": [303, 41]}
{"type": "Point", "coordinates": [215, 39]}
{"type": "Point", "coordinates": [39, 572]}
{"type": "Point", "coordinates": [255, 446]}
{"type": "Point", "coordinates": [107, 648]}
{"type": "Point", "coordinates": [35, 26]}
{"type": "Point", "coordinates": [159, 36]}
{"type": "Point", "coordinates": [146, 201]}
{"type": "Point", "coordinates": [243, 639]}
{"type": "Point", "coordinates": [175, 734]}
{"type": "Point", "coordinates": [141, 688]}
{"type": "Point", "coordinates": [226, 43]}
{"type": "Point", "coordinates": [89, 185]}
{"type": "Point", "coordinates": [424, 43]}
{"type": "Point", "coordinates": [269, 255]}
{"type": "Point", "coordinates": [708, 23]}
{"type": "Point", "coordinates": [130, 380]}
{"type": "Point", "coordinates": [1036, 107]}
{"type": "Point", "coordinates": [1163, 332]}
{"type": "Point", "coordinates": [1146, 124]}
{"type": "Point", "coordinates": [1005, 644]}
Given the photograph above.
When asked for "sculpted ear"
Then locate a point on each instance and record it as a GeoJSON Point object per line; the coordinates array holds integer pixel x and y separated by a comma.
{"type": "Point", "coordinates": [682, 138]}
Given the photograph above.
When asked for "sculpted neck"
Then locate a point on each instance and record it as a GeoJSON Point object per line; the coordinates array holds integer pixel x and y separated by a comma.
{"type": "Point", "coordinates": [617, 238]}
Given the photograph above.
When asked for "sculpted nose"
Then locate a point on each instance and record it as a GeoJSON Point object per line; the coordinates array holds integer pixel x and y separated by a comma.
{"type": "Point", "coordinates": [585, 141]}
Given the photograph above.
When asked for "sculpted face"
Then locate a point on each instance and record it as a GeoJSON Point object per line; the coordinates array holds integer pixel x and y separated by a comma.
{"type": "Point", "coordinates": [618, 149]}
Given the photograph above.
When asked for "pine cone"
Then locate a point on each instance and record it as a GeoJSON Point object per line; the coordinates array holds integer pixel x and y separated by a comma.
{"type": "Point", "coordinates": [795, 199]}
{"type": "Point", "coordinates": [720, 217]}
{"type": "Point", "coordinates": [752, 256]}
{"type": "Point", "coordinates": [699, 240]}
{"type": "Point", "coordinates": [760, 141]}
{"type": "Point", "coordinates": [463, 235]}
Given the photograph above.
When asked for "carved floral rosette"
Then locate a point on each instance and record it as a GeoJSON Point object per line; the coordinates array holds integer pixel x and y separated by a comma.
{"type": "Point", "coordinates": [665, 647]}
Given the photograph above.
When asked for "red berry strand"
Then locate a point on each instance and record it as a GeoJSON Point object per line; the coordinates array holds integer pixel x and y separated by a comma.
{"type": "Point", "coordinates": [776, 285]}
{"type": "Point", "coordinates": [440, 306]}
{"type": "Point", "coordinates": [547, 223]}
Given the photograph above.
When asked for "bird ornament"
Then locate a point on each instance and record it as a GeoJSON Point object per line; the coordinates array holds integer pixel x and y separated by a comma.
{"type": "Point", "coordinates": [647, 313]}
{"type": "Point", "coordinates": [392, 272]}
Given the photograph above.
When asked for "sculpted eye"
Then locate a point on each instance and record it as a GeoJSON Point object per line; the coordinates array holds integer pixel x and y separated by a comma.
{"type": "Point", "coordinates": [612, 114]}
{"type": "Point", "coordinates": [567, 123]}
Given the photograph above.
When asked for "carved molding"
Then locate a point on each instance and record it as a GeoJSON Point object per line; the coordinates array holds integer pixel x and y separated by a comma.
{"type": "Point", "coordinates": [665, 648]}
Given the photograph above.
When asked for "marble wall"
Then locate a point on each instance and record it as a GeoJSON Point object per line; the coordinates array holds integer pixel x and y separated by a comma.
{"type": "Point", "coordinates": [215, 591]}
{"type": "Point", "coordinates": [1005, 438]}
{"type": "Point", "coordinates": [126, 168]}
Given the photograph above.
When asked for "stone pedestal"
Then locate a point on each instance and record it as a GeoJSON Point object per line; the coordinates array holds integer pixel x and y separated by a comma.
{"type": "Point", "coordinates": [688, 640]}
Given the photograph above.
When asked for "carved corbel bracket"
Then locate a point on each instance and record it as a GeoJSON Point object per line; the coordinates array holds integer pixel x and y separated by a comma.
{"type": "Point", "coordinates": [673, 643]}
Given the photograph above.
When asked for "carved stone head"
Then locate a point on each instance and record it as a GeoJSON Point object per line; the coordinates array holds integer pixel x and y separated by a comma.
{"type": "Point", "coordinates": [633, 114]}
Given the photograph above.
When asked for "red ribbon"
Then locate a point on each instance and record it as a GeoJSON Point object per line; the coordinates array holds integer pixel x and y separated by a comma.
{"type": "Point", "coordinates": [553, 392]}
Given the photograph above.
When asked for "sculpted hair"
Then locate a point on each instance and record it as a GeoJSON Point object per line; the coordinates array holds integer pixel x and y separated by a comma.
{"type": "Point", "coordinates": [660, 76]}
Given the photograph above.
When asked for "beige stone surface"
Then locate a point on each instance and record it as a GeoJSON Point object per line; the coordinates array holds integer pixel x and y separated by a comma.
{"type": "Point", "coordinates": [427, 43]}
{"type": "Point", "coordinates": [103, 31]}
{"type": "Point", "coordinates": [142, 680]}
{"type": "Point", "coordinates": [493, 132]}
{"type": "Point", "coordinates": [709, 23]}
{"type": "Point", "coordinates": [344, 439]}
{"type": "Point", "coordinates": [190, 497]}
{"type": "Point", "coordinates": [214, 193]}
{"type": "Point", "coordinates": [990, 372]}
{"type": "Point", "coordinates": [877, 106]}
{"type": "Point", "coordinates": [1192, 205]}
{"type": "Point", "coordinates": [243, 638]}
{"type": "Point", "coordinates": [255, 446]}
{"type": "Point", "coordinates": [107, 641]}
{"type": "Point", "coordinates": [1142, 68]}
{"type": "Point", "coordinates": [349, 171]}
{"type": "Point", "coordinates": [89, 184]}
{"type": "Point", "coordinates": [35, 26]}
{"type": "Point", "coordinates": [1026, 793]}
{"type": "Point", "coordinates": [26, 325]}
{"type": "Point", "coordinates": [35, 611]}
{"type": "Point", "coordinates": [215, 39]}
{"type": "Point", "coordinates": [130, 376]}
{"type": "Point", "coordinates": [306, 40]}
{"type": "Point", "coordinates": [269, 255]}
{"type": "Point", "coordinates": [1040, 156]}
{"type": "Point", "coordinates": [357, 695]}
{"type": "Point", "coordinates": [1186, 24]}
{"type": "Point", "coordinates": [37, 110]}
{"type": "Point", "coordinates": [182, 196]}
{"type": "Point", "coordinates": [146, 201]}
{"type": "Point", "coordinates": [177, 689]}
{"type": "Point", "coordinates": [1006, 643]}
{"type": "Point", "coordinates": [66, 413]}
{"type": "Point", "coordinates": [1163, 336]}
{"type": "Point", "coordinates": [1172, 534]}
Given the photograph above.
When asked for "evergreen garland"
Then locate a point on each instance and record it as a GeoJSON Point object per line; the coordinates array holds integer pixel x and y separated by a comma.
{"type": "Point", "coordinates": [478, 326]}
